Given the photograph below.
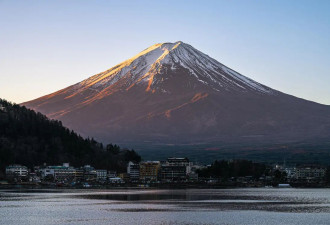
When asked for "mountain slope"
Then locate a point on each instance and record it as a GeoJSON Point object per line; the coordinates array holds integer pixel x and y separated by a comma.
{"type": "Point", "coordinates": [32, 139]}
{"type": "Point", "coordinates": [171, 93]}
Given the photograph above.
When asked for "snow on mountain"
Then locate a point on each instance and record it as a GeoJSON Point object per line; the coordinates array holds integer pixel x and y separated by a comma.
{"type": "Point", "coordinates": [142, 68]}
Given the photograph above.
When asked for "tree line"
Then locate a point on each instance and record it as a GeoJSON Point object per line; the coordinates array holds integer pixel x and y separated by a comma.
{"type": "Point", "coordinates": [30, 138]}
{"type": "Point", "coordinates": [234, 168]}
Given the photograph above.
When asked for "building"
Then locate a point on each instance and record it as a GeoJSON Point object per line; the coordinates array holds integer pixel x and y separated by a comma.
{"type": "Point", "coordinates": [17, 172]}
{"type": "Point", "coordinates": [124, 176]}
{"type": "Point", "coordinates": [112, 174]}
{"type": "Point", "coordinates": [101, 175]}
{"type": "Point", "coordinates": [79, 174]}
{"type": "Point", "coordinates": [290, 172]}
{"type": "Point", "coordinates": [133, 170]}
{"type": "Point", "coordinates": [89, 173]}
{"type": "Point", "coordinates": [58, 173]}
{"type": "Point", "coordinates": [33, 177]}
{"type": "Point", "coordinates": [175, 169]}
{"type": "Point", "coordinates": [173, 173]}
{"type": "Point", "coordinates": [149, 171]}
{"type": "Point", "coordinates": [177, 161]}
{"type": "Point", "coordinates": [310, 173]}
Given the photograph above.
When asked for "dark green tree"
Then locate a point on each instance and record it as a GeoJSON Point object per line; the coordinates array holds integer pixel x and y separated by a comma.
{"type": "Point", "coordinates": [31, 139]}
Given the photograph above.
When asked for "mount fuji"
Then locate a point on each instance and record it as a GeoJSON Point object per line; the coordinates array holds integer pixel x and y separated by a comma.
{"type": "Point", "coordinates": [173, 94]}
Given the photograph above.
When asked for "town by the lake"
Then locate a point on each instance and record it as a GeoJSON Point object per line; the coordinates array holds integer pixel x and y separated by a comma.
{"type": "Point", "coordinates": [174, 173]}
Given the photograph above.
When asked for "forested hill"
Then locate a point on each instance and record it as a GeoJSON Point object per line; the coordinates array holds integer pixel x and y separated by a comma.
{"type": "Point", "coordinates": [30, 138]}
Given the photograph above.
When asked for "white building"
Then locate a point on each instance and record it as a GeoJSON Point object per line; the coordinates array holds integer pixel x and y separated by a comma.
{"type": "Point", "coordinates": [101, 175]}
{"type": "Point", "coordinates": [16, 171]}
{"type": "Point", "coordinates": [310, 173]}
{"type": "Point", "coordinates": [133, 170]}
{"type": "Point", "coordinates": [64, 172]}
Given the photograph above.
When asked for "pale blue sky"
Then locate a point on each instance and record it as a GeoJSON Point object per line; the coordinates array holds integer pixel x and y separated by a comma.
{"type": "Point", "coordinates": [48, 45]}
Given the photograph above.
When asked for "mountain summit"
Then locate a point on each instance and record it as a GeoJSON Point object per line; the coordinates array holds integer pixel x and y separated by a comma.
{"type": "Point", "coordinates": [171, 93]}
{"type": "Point", "coordinates": [148, 69]}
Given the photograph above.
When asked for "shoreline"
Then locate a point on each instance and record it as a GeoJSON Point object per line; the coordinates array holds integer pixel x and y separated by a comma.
{"type": "Point", "coordinates": [168, 187]}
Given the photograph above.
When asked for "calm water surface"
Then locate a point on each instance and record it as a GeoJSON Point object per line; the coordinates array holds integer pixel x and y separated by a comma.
{"type": "Point", "coordinates": [166, 207]}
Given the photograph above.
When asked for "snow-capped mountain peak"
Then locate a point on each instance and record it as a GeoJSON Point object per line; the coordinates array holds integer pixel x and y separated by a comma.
{"type": "Point", "coordinates": [171, 93]}
{"type": "Point", "coordinates": [145, 69]}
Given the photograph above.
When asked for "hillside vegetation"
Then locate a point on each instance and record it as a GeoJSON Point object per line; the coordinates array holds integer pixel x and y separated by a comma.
{"type": "Point", "coordinates": [31, 139]}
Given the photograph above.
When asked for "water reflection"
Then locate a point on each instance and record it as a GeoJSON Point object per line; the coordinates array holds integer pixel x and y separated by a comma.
{"type": "Point", "coordinates": [132, 206]}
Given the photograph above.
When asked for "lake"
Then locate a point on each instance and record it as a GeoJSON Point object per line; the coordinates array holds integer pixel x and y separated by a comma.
{"type": "Point", "coordinates": [165, 207]}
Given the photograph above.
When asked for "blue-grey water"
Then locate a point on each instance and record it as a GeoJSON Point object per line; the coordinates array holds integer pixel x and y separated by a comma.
{"type": "Point", "coordinates": [166, 207]}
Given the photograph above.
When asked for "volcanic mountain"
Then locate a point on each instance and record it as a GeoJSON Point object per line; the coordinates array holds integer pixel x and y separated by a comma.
{"type": "Point", "coordinates": [171, 93]}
